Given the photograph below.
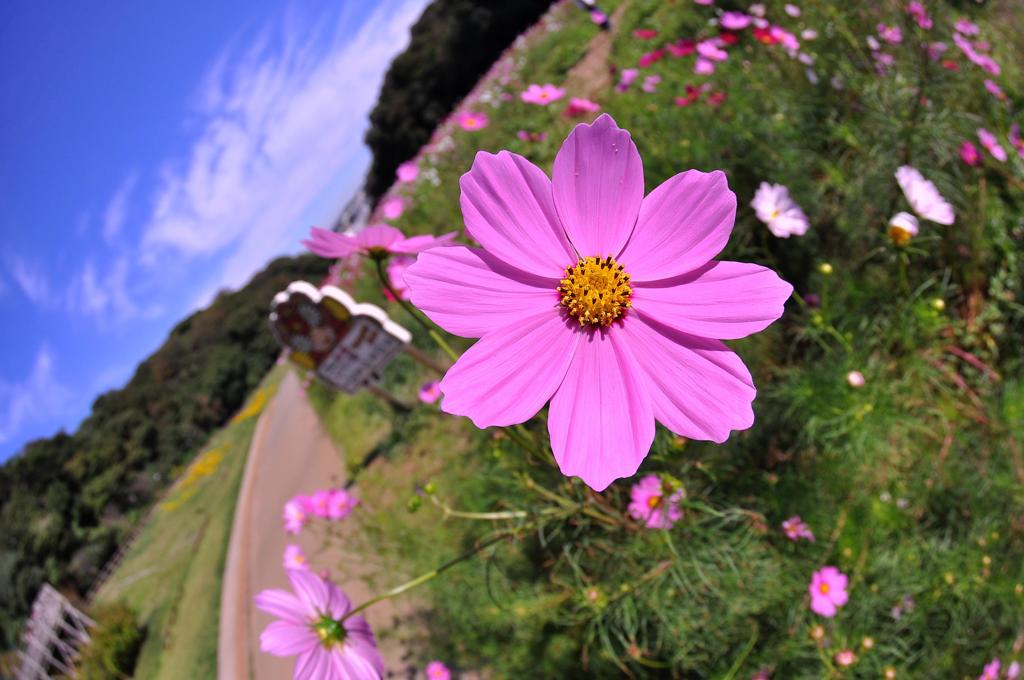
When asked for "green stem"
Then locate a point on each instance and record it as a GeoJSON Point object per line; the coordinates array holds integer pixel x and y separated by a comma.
{"type": "Point", "coordinates": [423, 578]}
{"type": "Point", "coordinates": [431, 331]}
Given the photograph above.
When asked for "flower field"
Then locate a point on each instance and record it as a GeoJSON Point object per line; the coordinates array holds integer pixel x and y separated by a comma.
{"type": "Point", "coordinates": [836, 491]}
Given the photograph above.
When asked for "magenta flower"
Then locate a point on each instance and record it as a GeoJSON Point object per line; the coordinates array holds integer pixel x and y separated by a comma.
{"type": "Point", "coordinates": [312, 626]}
{"type": "Point", "coordinates": [991, 144]}
{"type": "Point", "coordinates": [318, 503]}
{"type": "Point", "coordinates": [709, 49]}
{"type": "Point", "coordinates": [438, 671]}
{"type": "Point", "coordinates": [785, 38]}
{"type": "Point", "coordinates": [735, 21]}
{"type": "Point", "coordinates": [795, 529]}
{"type": "Point", "coordinates": [340, 504]}
{"type": "Point", "coordinates": [651, 83]}
{"type": "Point", "coordinates": [378, 239]}
{"type": "Point", "coordinates": [396, 276]}
{"type": "Point", "coordinates": [703, 67]}
{"type": "Point", "coordinates": [392, 208]}
{"type": "Point", "coordinates": [647, 503]}
{"type": "Point", "coordinates": [645, 33]}
{"type": "Point", "coordinates": [471, 120]}
{"type": "Point", "coordinates": [651, 57]}
{"type": "Point", "coordinates": [528, 136]}
{"type": "Point", "coordinates": [991, 670]}
{"type": "Point", "coordinates": [828, 591]}
{"type": "Point", "coordinates": [604, 302]}
{"type": "Point", "coordinates": [681, 48]}
{"type": "Point", "coordinates": [598, 17]}
{"type": "Point", "coordinates": [580, 107]}
{"type": "Point", "coordinates": [542, 95]}
{"type": "Point", "coordinates": [1015, 139]}
{"type": "Point", "coordinates": [294, 558]}
{"type": "Point", "coordinates": [407, 172]}
{"type": "Point", "coordinates": [626, 78]}
{"type": "Point", "coordinates": [983, 61]}
{"type": "Point", "coordinates": [920, 14]}
{"type": "Point", "coordinates": [994, 89]}
{"type": "Point", "coordinates": [936, 50]}
{"type": "Point", "coordinates": [965, 27]}
{"type": "Point", "coordinates": [430, 392]}
{"type": "Point", "coordinates": [890, 34]}
{"type": "Point", "coordinates": [294, 515]}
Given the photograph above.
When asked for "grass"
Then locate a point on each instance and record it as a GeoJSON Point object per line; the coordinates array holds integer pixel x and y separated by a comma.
{"type": "Point", "coordinates": [171, 577]}
{"type": "Point", "coordinates": [912, 484]}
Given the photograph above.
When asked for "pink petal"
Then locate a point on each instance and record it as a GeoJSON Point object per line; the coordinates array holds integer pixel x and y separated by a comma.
{"type": "Point", "coordinates": [283, 604]}
{"type": "Point", "coordinates": [506, 377]}
{"type": "Point", "coordinates": [699, 388]}
{"type": "Point", "coordinates": [720, 300]}
{"type": "Point", "coordinates": [507, 205]}
{"type": "Point", "coordinates": [284, 638]}
{"type": "Point", "coordinates": [338, 604]}
{"type": "Point", "coordinates": [418, 243]}
{"type": "Point", "coordinates": [310, 589]}
{"type": "Point", "coordinates": [683, 224]}
{"type": "Point", "coordinates": [315, 665]}
{"type": "Point", "coordinates": [598, 183]}
{"type": "Point", "coordinates": [600, 421]}
{"type": "Point", "coordinates": [470, 293]}
{"type": "Point", "coordinates": [378, 236]}
{"type": "Point", "coordinates": [326, 243]}
{"type": "Point", "coordinates": [823, 607]}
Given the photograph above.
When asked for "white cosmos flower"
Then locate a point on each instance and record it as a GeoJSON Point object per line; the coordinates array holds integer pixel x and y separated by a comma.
{"type": "Point", "coordinates": [775, 208]}
{"type": "Point", "coordinates": [924, 198]}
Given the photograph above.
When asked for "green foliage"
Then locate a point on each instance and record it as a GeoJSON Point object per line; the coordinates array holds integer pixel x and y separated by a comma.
{"type": "Point", "coordinates": [115, 644]}
{"type": "Point", "coordinates": [912, 483]}
{"type": "Point", "coordinates": [67, 501]}
{"type": "Point", "coordinates": [451, 45]}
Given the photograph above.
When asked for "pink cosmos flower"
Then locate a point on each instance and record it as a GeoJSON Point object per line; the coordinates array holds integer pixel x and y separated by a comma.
{"type": "Point", "coordinates": [604, 302]}
{"type": "Point", "coordinates": [319, 503]}
{"type": "Point", "coordinates": [438, 671]}
{"type": "Point", "coordinates": [936, 50]}
{"type": "Point", "coordinates": [969, 154]}
{"type": "Point", "coordinates": [580, 107]}
{"type": "Point", "coordinates": [312, 626]}
{"type": "Point", "coordinates": [692, 94]}
{"type": "Point", "coordinates": [855, 379]}
{"type": "Point", "coordinates": [528, 136]}
{"type": "Point", "coordinates": [792, 10]}
{"type": "Point", "coordinates": [396, 276]}
{"type": "Point", "coordinates": [923, 197]}
{"type": "Point", "coordinates": [407, 172]}
{"type": "Point", "coordinates": [828, 591]}
{"type": "Point", "coordinates": [717, 98]}
{"type": "Point", "coordinates": [645, 33]}
{"type": "Point", "coordinates": [377, 239]}
{"type": "Point", "coordinates": [709, 49]}
{"type": "Point", "coordinates": [430, 392]}
{"type": "Point", "coordinates": [1013, 671]}
{"type": "Point", "coordinates": [991, 144]}
{"type": "Point", "coordinates": [340, 504]}
{"type": "Point", "coordinates": [994, 89]}
{"type": "Point", "coordinates": [991, 670]}
{"type": "Point", "coordinates": [735, 21]}
{"type": "Point", "coordinates": [774, 206]}
{"type": "Point", "coordinates": [757, 10]}
{"type": "Point", "coordinates": [392, 208]}
{"type": "Point", "coordinates": [294, 516]}
{"type": "Point", "coordinates": [542, 95]}
{"type": "Point", "coordinates": [785, 38]}
{"type": "Point", "coordinates": [983, 61]}
{"type": "Point", "coordinates": [599, 17]}
{"type": "Point", "coordinates": [647, 503]}
{"type": "Point", "coordinates": [681, 48]}
{"type": "Point", "coordinates": [890, 34]}
{"type": "Point", "coordinates": [704, 2]}
{"type": "Point", "coordinates": [965, 27]}
{"type": "Point", "coordinates": [294, 558]}
{"type": "Point", "coordinates": [703, 67]}
{"type": "Point", "coordinates": [651, 57]}
{"type": "Point", "coordinates": [1015, 139]}
{"type": "Point", "coordinates": [920, 14]}
{"type": "Point", "coordinates": [845, 657]}
{"type": "Point", "coordinates": [795, 529]}
{"type": "Point", "coordinates": [651, 83]}
{"type": "Point", "coordinates": [902, 228]}
{"type": "Point", "coordinates": [626, 78]}
{"type": "Point", "coordinates": [471, 120]}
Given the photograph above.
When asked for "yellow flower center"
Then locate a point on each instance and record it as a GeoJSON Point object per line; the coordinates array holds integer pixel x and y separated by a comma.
{"type": "Point", "coordinates": [824, 588]}
{"type": "Point", "coordinates": [899, 235]}
{"type": "Point", "coordinates": [595, 291]}
{"type": "Point", "coordinates": [653, 502]}
{"type": "Point", "coordinates": [775, 213]}
{"type": "Point", "coordinates": [330, 631]}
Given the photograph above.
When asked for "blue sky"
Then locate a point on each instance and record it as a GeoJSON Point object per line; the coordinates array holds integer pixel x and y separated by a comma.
{"type": "Point", "coordinates": [154, 153]}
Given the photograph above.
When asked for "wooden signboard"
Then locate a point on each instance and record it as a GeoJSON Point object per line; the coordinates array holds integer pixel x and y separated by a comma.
{"type": "Point", "coordinates": [346, 344]}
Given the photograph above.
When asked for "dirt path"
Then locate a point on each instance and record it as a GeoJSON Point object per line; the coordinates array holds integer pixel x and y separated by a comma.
{"type": "Point", "coordinates": [290, 454]}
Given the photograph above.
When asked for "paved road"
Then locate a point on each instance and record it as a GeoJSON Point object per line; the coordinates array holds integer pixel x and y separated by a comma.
{"type": "Point", "coordinates": [290, 453]}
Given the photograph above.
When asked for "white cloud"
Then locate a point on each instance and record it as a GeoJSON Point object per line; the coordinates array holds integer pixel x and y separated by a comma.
{"type": "Point", "coordinates": [39, 396]}
{"type": "Point", "coordinates": [30, 279]}
{"type": "Point", "coordinates": [279, 123]}
{"type": "Point", "coordinates": [116, 213]}
{"type": "Point", "coordinates": [104, 294]}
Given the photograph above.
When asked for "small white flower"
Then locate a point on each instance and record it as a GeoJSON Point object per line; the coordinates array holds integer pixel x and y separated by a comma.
{"type": "Point", "coordinates": [774, 206]}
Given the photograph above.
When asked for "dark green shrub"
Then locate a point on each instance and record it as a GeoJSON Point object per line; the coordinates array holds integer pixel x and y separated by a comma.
{"type": "Point", "coordinates": [115, 645]}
